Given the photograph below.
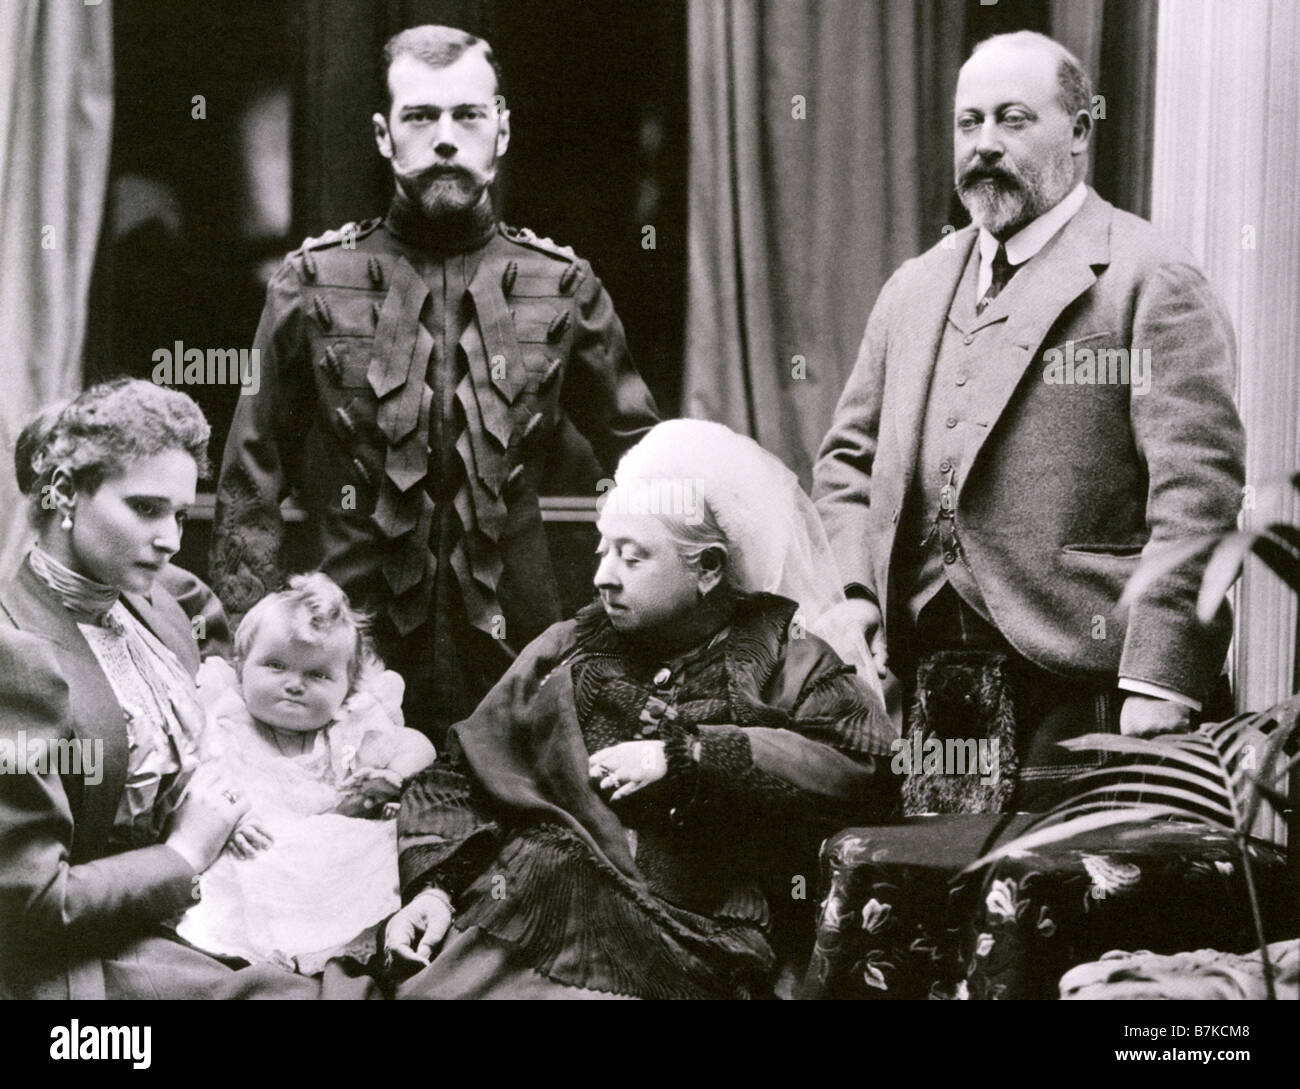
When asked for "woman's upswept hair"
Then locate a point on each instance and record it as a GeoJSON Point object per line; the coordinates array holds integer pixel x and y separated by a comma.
{"type": "Point", "coordinates": [682, 506]}
{"type": "Point", "coordinates": [317, 611]}
{"type": "Point", "coordinates": [100, 433]}
{"type": "Point", "coordinates": [697, 534]}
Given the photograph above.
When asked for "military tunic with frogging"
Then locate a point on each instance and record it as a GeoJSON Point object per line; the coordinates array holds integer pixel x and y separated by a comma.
{"type": "Point", "coordinates": [410, 395]}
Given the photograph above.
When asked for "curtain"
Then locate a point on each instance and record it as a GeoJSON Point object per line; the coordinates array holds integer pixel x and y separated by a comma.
{"type": "Point", "coordinates": [821, 158]}
{"type": "Point", "coordinates": [56, 105]}
{"type": "Point", "coordinates": [1116, 42]}
{"type": "Point", "coordinates": [1227, 140]}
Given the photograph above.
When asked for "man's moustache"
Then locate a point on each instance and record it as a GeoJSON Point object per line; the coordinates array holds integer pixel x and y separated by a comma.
{"type": "Point", "coordinates": [977, 174]}
{"type": "Point", "coordinates": [431, 174]}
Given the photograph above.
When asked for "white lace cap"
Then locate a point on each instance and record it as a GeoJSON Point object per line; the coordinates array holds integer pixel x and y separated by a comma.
{"type": "Point", "coordinates": [776, 542]}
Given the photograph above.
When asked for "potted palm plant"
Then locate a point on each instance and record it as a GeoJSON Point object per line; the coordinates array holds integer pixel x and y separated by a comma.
{"type": "Point", "coordinates": [1222, 774]}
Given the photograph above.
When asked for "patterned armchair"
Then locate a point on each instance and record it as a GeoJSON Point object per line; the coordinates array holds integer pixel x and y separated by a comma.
{"type": "Point", "coordinates": [899, 920]}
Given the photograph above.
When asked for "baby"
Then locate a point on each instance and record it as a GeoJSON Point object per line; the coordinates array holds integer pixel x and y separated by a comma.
{"type": "Point", "coordinates": [310, 725]}
{"type": "Point", "coordinates": [303, 658]}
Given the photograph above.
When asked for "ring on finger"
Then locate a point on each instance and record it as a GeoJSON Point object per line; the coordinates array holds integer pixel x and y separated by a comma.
{"type": "Point", "coordinates": [230, 796]}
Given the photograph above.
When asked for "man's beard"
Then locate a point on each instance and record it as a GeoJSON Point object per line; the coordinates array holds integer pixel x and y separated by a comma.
{"type": "Point", "coordinates": [441, 190]}
{"type": "Point", "coordinates": [1002, 197]}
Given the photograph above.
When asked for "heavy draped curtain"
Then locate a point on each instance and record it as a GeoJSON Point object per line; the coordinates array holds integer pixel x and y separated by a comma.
{"type": "Point", "coordinates": [56, 106]}
{"type": "Point", "coordinates": [821, 159]}
{"type": "Point", "coordinates": [1227, 141]}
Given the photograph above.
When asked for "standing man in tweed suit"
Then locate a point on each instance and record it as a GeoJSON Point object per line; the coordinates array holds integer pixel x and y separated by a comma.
{"type": "Point", "coordinates": [1039, 400]}
{"type": "Point", "coordinates": [417, 372]}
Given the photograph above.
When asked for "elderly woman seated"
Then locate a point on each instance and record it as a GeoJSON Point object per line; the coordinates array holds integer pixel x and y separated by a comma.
{"type": "Point", "coordinates": [637, 805]}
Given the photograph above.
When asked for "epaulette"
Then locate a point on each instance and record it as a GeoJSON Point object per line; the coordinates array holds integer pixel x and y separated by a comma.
{"type": "Point", "coordinates": [525, 237]}
{"type": "Point", "coordinates": [340, 235]}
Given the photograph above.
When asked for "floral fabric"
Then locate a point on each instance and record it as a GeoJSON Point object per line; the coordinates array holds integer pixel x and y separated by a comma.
{"type": "Point", "coordinates": [899, 922]}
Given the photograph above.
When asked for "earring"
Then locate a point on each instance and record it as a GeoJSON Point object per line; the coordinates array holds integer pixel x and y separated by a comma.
{"type": "Point", "coordinates": [66, 524]}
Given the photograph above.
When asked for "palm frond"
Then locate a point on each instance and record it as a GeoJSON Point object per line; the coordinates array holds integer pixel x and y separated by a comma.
{"type": "Point", "coordinates": [1272, 766]}
{"type": "Point", "coordinates": [1161, 561]}
{"type": "Point", "coordinates": [1288, 533]}
{"type": "Point", "coordinates": [1218, 775]}
{"type": "Point", "coordinates": [1077, 825]}
{"type": "Point", "coordinates": [1275, 797]}
{"type": "Point", "coordinates": [1270, 544]}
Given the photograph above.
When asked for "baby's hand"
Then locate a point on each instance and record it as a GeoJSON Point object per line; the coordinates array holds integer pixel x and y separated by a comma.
{"type": "Point", "coordinates": [249, 838]}
{"type": "Point", "coordinates": [368, 790]}
{"type": "Point", "coordinates": [381, 784]}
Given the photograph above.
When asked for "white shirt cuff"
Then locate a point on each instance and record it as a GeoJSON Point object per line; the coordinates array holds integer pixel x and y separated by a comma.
{"type": "Point", "coordinates": [1146, 688]}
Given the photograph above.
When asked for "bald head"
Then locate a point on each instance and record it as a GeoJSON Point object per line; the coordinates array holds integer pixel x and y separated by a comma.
{"type": "Point", "coordinates": [1021, 129]}
{"type": "Point", "coordinates": [1073, 85]}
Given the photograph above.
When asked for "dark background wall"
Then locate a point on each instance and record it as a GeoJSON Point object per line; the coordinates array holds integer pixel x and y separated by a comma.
{"type": "Point", "coordinates": [598, 151]}
{"type": "Point", "coordinates": [597, 97]}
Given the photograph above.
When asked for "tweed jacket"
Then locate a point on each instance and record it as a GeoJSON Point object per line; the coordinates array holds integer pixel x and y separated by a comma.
{"type": "Point", "coordinates": [1069, 485]}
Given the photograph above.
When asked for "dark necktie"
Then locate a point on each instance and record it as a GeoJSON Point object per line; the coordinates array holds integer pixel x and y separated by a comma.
{"type": "Point", "coordinates": [1003, 270]}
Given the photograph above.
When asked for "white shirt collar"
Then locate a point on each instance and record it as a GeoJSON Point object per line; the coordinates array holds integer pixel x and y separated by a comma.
{"type": "Point", "coordinates": [1027, 241]}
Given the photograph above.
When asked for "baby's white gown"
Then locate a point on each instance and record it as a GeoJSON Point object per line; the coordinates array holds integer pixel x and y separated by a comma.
{"type": "Point", "coordinates": [328, 878]}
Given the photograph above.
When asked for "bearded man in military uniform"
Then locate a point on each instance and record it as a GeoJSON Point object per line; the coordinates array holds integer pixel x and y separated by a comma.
{"type": "Point", "coordinates": [416, 372]}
